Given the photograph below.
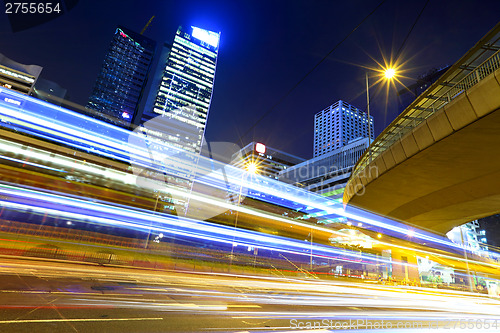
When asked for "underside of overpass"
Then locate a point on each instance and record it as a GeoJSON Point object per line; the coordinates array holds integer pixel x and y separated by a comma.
{"type": "Point", "coordinates": [443, 173]}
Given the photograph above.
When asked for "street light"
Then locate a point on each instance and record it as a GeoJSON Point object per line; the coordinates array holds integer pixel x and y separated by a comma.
{"type": "Point", "coordinates": [389, 74]}
{"type": "Point", "coordinates": [252, 168]}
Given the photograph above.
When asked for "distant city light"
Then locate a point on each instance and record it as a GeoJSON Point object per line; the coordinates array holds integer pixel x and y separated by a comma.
{"type": "Point", "coordinates": [206, 36]}
{"type": "Point", "coordinates": [125, 115]}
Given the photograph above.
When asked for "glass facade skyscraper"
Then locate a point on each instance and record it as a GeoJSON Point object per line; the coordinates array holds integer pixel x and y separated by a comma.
{"type": "Point", "coordinates": [185, 89]}
{"type": "Point", "coordinates": [337, 125]}
{"type": "Point", "coordinates": [173, 120]}
{"type": "Point", "coordinates": [123, 76]}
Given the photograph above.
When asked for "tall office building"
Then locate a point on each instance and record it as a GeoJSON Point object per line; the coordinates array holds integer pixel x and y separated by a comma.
{"type": "Point", "coordinates": [185, 90]}
{"type": "Point", "coordinates": [337, 125]}
{"type": "Point", "coordinates": [121, 82]}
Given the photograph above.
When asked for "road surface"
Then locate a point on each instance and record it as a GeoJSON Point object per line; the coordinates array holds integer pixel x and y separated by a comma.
{"type": "Point", "coordinates": [48, 296]}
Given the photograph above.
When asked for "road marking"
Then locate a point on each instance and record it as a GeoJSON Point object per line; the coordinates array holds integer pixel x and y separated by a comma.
{"type": "Point", "coordinates": [243, 306]}
{"type": "Point", "coordinates": [72, 320]}
{"type": "Point", "coordinates": [66, 293]}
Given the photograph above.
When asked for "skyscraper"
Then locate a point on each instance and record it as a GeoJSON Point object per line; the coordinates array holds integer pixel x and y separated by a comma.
{"type": "Point", "coordinates": [185, 90]}
{"type": "Point", "coordinates": [120, 84]}
{"type": "Point", "coordinates": [337, 125]}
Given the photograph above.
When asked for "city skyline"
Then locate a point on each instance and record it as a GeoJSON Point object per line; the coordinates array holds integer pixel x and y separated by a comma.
{"type": "Point", "coordinates": [260, 63]}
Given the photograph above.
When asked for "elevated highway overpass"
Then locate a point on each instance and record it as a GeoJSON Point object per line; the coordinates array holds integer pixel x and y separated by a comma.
{"type": "Point", "coordinates": [437, 165]}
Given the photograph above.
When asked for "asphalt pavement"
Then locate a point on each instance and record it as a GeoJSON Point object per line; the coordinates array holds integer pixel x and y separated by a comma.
{"type": "Point", "coordinates": [43, 296]}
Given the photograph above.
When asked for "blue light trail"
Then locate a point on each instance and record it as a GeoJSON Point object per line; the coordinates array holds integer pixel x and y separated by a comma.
{"type": "Point", "coordinates": [49, 122]}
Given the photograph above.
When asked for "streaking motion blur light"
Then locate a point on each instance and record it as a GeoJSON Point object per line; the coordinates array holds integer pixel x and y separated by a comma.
{"type": "Point", "coordinates": [56, 124]}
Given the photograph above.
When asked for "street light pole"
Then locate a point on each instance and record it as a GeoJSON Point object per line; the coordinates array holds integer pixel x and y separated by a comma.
{"type": "Point", "coordinates": [151, 222]}
{"type": "Point", "coordinates": [471, 288]}
{"type": "Point", "coordinates": [368, 112]}
{"type": "Point", "coordinates": [250, 168]}
{"type": "Point", "coordinates": [236, 222]}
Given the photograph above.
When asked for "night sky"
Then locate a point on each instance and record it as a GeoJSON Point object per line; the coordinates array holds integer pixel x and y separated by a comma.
{"type": "Point", "coordinates": [266, 48]}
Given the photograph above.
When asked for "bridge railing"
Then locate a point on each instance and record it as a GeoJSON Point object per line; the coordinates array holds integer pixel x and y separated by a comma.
{"type": "Point", "coordinates": [473, 78]}
{"type": "Point", "coordinates": [478, 63]}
